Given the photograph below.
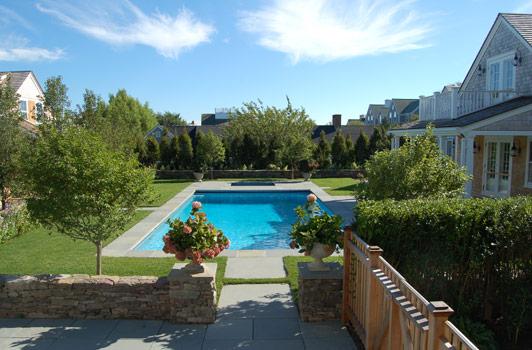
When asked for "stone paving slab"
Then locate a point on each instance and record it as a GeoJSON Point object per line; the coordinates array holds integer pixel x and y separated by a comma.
{"type": "Point", "coordinates": [255, 268]}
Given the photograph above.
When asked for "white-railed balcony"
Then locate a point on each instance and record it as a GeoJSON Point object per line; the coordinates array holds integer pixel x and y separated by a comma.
{"type": "Point", "coordinates": [453, 104]}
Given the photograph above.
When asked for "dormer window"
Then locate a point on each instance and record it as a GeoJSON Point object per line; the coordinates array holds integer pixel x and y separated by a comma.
{"type": "Point", "coordinates": [23, 106]}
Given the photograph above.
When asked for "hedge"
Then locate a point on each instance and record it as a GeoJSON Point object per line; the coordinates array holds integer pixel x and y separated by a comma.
{"type": "Point", "coordinates": [475, 254]}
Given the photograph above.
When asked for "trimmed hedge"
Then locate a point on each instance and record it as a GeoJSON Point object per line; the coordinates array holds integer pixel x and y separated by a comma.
{"type": "Point", "coordinates": [475, 254]}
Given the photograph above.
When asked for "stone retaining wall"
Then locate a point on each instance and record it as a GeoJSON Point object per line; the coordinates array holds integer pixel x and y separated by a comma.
{"type": "Point", "coordinates": [320, 293]}
{"type": "Point", "coordinates": [176, 298]}
{"type": "Point", "coordinates": [240, 174]}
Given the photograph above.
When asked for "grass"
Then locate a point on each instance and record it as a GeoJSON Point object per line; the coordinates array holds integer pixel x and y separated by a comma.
{"type": "Point", "coordinates": [341, 186]}
{"type": "Point", "coordinates": [166, 189]}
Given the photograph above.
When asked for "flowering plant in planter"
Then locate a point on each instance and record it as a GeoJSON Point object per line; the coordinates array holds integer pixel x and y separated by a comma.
{"type": "Point", "coordinates": [195, 238]}
{"type": "Point", "coordinates": [308, 166]}
{"type": "Point", "coordinates": [313, 226]}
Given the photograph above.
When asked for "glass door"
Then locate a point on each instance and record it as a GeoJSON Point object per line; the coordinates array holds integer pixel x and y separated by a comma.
{"type": "Point", "coordinates": [497, 168]}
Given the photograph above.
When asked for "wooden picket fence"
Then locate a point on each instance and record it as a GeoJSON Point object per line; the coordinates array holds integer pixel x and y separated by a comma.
{"type": "Point", "coordinates": [388, 313]}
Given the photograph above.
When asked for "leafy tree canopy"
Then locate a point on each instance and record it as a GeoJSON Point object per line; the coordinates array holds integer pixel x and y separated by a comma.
{"type": "Point", "coordinates": [169, 118]}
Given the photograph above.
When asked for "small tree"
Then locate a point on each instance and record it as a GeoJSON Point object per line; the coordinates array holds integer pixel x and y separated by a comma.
{"type": "Point", "coordinates": [165, 148]}
{"type": "Point", "coordinates": [322, 153]}
{"type": "Point", "coordinates": [416, 169]}
{"type": "Point", "coordinates": [56, 103]}
{"type": "Point", "coordinates": [12, 141]}
{"type": "Point", "coordinates": [297, 149]}
{"type": "Point", "coordinates": [141, 150]}
{"type": "Point", "coordinates": [209, 150]}
{"type": "Point", "coordinates": [174, 145]}
{"type": "Point", "coordinates": [153, 153]}
{"type": "Point", "coordinates": [362, 148]}
{"type": "Point", "coordinates": [349, 152]}
{"type": "Point", "coordinates": [82, 188]}
{"type": "Point", "coordinates": [186, 152]}
{"type": "Point", "coordinates": [379, 141]}
{"type": "Point", "coordinates": [338, 150]}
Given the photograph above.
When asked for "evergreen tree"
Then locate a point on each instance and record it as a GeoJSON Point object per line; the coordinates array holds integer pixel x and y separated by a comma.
{"type": "Point", "coordinates": [186, 152]}
{"type": "Point", "coordinates": [349, 152]}
{"type": "Point", "coordinates": [209, 150]}
{"type": "Point", "coordinates": [379, 141]}
{"type": "Point", "coordinates": [322, 153]}
{"type": "Point", "coordinates": [141, 150]}
{"type": "Point", "coordinates": [362, 148]}
{"type": "Point", "coordinates": [174, 145]}
{"type": "Point", "coordinates": [152, 151]}
{"type": "Point", "coordinates": [338, 150]}
{"type": "Point", "coordinates": [166, 148]}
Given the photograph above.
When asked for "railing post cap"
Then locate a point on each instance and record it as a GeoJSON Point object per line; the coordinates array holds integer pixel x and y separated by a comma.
{"type": "Point", "coordinates": [375, 249]}
{"type": "Point", "coordinates": [440, 307]}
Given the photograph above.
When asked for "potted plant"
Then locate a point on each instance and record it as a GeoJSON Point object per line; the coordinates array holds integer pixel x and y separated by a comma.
{"type": "Point", "coordinates": [307, 168]}
{"type": "Point", "coordinates": [316, 233]}
{"type": "Point", "coordinates": [198, 172]}
{"type": "Point", "coordinates": [195, 239]}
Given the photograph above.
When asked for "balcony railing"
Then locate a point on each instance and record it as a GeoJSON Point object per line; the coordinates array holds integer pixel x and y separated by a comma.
{"type": "Point", "coordinates": [453, 104]}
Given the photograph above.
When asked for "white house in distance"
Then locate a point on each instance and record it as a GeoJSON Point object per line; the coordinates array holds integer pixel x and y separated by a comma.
{"type": "Point", "coordinates": [30, 96]}
{"type": "Point", "coordinates": [486, 123]}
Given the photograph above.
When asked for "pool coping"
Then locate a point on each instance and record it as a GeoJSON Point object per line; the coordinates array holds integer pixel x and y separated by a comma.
{"type": "Point", "coordinates": [123, 245]}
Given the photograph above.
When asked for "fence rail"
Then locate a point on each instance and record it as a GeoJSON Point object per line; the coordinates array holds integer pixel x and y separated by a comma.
{"type": "Point", "coordinates": [388, 313]}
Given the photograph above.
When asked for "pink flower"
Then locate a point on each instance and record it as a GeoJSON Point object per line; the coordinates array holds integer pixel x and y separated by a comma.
{"type": "Point", "coordinates": [196, 205]}
{"type": "Point", "coordinates": [228, 244]}
{"type": "Point", "coordinates": [180, 256]}
{"type": "Point", "coordinates": [187, 229]}
{"type": "Point", "coordinates": [209, 253]}
{"type": "Point", "coordinates": [311, 197]}
{"type": "Point", "coordinates": [217, 250]}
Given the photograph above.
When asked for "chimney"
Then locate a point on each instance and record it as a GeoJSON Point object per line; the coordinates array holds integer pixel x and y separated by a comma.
{"type": "Point", "coordinates": [387, 103]}
{"type": "Point", "coordinates": [337, 120]}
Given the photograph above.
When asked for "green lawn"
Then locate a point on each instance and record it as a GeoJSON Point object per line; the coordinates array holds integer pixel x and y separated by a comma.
{"type": "Point", "coordinates": [341, 186]}
{"type": "Point", "coordinates": [166, 189]}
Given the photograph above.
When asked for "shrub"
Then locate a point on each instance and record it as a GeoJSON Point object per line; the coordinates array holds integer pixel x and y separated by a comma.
{"type": "Point", "coordinates": [472, 253]}
{"type": "Point", "coordinates": [14, 221]}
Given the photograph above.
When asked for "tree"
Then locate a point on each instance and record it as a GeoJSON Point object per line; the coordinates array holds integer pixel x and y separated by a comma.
{"type": "Point", "coordinates": [56, 104]}
{"type": "Point", "coordinates": [209, 150]}
{"type": "Point", "coordinates": [12, 141]}
{"type": "Point", "coordinates": [91, 113]}
{"type": "Point", "coordinates": [165, 148]}
{"type": "Point", "coordinates": [350, 156]}
{"type": "Point", "coordinates": [379, 141]}
{"type": "Point", "coordinates": [141, 150]}
{"type": "Point", "coordinates": [266, 132]}
{"type": "Point", "coordinates": [152, 151]}
{"type": "Point", "coordinates": [174, 146]}
{"type": "Point", "coordinates": [416, 169]}
{"type": "Point", "coordinates": [297, 149]}
{"type": "Point", "coordinates": [362, 148]}
{"type": "Point", "coordinates": [355, 122]}
{"type": "Point", "coordinates": [169, 118]}
{"type": "Point", "coordinates": [186, 151]}
{"type": "Point", "coordinates": [322, 153]}
{"type": "Point", "coordinates": [338, 150]}
{"type": "Point", "coordinates": [84, 189]}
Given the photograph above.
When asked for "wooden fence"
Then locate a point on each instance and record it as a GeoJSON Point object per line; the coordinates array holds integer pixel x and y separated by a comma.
{"type": "Point", "coordinates": [388, 313]}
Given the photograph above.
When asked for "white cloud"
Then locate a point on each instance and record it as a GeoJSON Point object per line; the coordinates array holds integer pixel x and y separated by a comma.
{"type": "Point", "coordinates": [8, 16]}
{"type": "Point", "coordinates": [31, 54]}
{"type": "Point", "coordinates": [325, 30]}
{"type": "Point", "coordinates": [122, 23]}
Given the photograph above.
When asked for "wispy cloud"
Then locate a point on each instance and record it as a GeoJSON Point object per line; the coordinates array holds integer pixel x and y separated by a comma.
{"type": "Point", "coordinates": [524, 7]}
{"type": "Point", "coordinates": [30, 54]}
{"type": "Point", "coordinates": [8, 16]}
{"type": "Point", "coordinates": [122, 23]}
{"type": "Point", "coordinates": [326, 30]}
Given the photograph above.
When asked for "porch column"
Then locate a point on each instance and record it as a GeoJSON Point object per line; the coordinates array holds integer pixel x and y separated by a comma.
{"type": "Point", "coordinates": [468, 160]}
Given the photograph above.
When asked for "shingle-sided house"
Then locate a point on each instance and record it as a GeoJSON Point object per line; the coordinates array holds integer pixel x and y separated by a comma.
{"type": "Point", "coordinates": [402, 110]}
{"type": "Point", "coordinates": [30, 96]}
{"type": "Point", "coordinates": [372, 115]}
{"type": "Point", "coordinates": [486, 123]}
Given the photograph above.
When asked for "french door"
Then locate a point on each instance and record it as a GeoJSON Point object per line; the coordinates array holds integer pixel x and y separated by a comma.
{"type": "Point", "coordinates": [497, 165]}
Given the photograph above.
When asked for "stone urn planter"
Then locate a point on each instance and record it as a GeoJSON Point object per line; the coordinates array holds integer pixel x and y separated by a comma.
{"type": "Point", "coordinates": [306, 175]}
{"type": "Point", "coordinates": [198, 176]}
{"type": "Point", "coordinates": [193, 269]}
{"type": "Point", "coordinates": [319, 252]}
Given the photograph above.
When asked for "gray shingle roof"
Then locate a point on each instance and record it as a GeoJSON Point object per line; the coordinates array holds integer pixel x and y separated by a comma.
{"type": "Point", "coordinates": [471, 118]}
{"type": "Point", "coordinates": [522, 23]}
{"type": "Point", "coordinates": [402, 103]}
{"type": "Point", "coordinates": [17, 78]}
{"type": "Point", "coordinates": [412, 106]}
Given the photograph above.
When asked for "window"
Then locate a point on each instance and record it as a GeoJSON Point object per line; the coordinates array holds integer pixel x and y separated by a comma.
{"type": "Point", "coordinates": [449, 147]}
{"type": "Point", "coordinates": [23, 106]}
{"type": "Point", "coordinates": [529, 164]}
{"type": "Point", "coordinates": [501, 77]}
{"type": "Point", "coordinates": [157, 134]}
{"type": "Point", "coordinates": [497, 168]}
{"type": "Point", "coordinates": [38, 110]}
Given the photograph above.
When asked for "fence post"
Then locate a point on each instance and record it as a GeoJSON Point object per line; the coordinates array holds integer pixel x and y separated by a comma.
{"type": "Point", "coordinates": [374, 298]}
{"type": "Point", "coordinates": [347, 276]}
{"type": "Point", "coordinates": [439, 312]}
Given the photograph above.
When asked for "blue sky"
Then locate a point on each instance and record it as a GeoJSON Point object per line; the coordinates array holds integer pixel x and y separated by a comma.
{"type": "Point", "coordinates": [328, 56]}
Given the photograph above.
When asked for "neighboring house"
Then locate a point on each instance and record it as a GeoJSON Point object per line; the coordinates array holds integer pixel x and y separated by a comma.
{"type": "Point", "coordinates": [373, 114]}
{"type": "Point", "coordinates": [31, 96]}
{"type": "Point", "coordinates": [220, 116]}
{"type": "Point", "coordinates": [383, 113]}
{"type": "Point", "coordinates": [402, 110]}
{"type": "Point", "coordinates": [174, 130]}
{"type": "Point", "coordinates": [486, 123]}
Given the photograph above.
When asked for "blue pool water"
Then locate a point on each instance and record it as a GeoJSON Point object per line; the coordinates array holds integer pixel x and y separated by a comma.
{"type": "Point", "coordinates": [251, 220]}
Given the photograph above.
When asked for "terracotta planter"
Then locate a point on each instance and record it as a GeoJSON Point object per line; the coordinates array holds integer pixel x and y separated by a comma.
{"type": "Point", "coordinates": [198, 176]}
{"type": "Point", "coordinates": [306, 175]}
{"type": "Point", "coordinates": [319, 252]}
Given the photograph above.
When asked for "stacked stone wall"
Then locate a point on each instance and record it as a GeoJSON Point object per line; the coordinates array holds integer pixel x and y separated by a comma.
{"type": "Point", "coordinates": [242, 174]}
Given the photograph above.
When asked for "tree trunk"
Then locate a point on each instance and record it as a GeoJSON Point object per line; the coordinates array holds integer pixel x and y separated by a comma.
{"type": "Point", "coordinates": [99, 258]}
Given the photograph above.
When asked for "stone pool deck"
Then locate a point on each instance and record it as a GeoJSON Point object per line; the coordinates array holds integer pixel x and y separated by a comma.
{"type": "Point", "coordinates": [123, 246]}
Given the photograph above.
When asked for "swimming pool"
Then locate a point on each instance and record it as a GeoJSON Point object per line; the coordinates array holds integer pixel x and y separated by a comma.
{"type": "Point", "coordinates": [251, 220]}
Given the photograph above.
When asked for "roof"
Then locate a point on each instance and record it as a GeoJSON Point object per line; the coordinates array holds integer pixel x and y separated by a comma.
{"type": "Point", "coordinates": [471, 118]}
{"type": "Point", "coordinates": [375, 109]}
{"type": "Point", "coordinates": [412, 107]}
{"type": "Point", "coordinates": [17, 78]}
{"type": "Point", "coordinates": [384, 111]}
{"type": "Point", "coordinates": [522, 24]}
{"type": "Point", "coordinates": [402, 103]}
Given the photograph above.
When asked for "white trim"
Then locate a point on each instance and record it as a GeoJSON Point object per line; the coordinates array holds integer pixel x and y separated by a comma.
{"type": "Point", "coordinates": [498, 140]}
{"type": "Point", "coordinates": [502, 133]}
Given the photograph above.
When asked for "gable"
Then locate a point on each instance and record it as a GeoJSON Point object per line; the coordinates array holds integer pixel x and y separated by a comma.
{"type": "Point", "coordinates": [520, 122]}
